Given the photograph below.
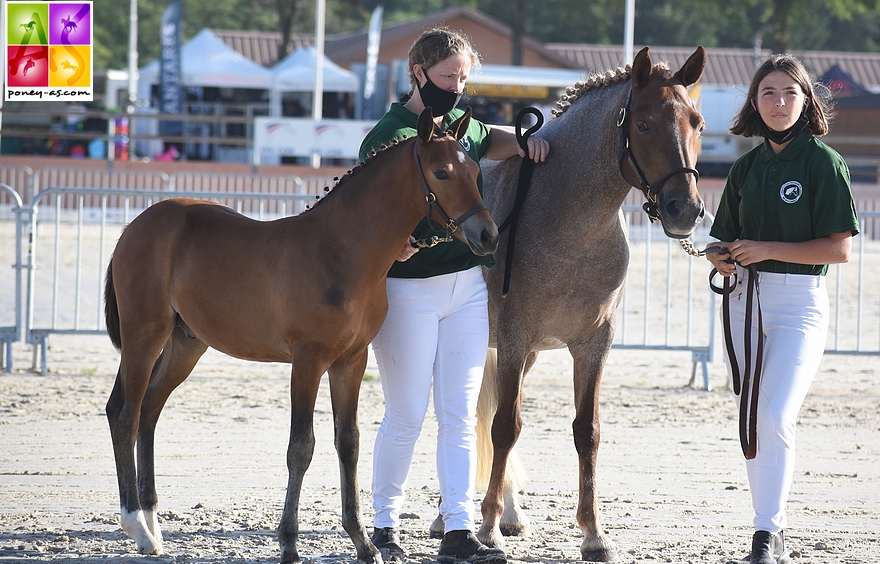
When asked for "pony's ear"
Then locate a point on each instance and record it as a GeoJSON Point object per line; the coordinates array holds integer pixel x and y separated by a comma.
{"type": "Point", "coordinates": [641, 68]}
{"type": "Point", "coordinates": [459, 126]}
{"type": "Point", "coordinates": [692, 69]}
{"type": "Point", "coordinates": [426, 125]}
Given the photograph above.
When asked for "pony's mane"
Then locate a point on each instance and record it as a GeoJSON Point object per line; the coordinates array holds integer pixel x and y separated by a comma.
{"type": "Point", "coordinates": [373, 155]}
{"type": "Point", "coordinates": [597, 81]}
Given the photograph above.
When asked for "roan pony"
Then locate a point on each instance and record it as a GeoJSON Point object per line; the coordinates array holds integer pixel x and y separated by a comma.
{"type": "Point", "coordinates": [633, 127]}
{"type": "Point", "coordinates": [309, 290]}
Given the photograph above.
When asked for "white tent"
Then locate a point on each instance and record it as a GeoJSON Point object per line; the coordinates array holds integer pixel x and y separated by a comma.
{"type": "Point", "coordinates": [206, 60]}
{"type": "Point", "coordinates": [296, 72]}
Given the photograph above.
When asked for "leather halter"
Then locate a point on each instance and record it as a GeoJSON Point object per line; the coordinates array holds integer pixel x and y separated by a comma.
{"type": "Point", "coordinates": [451, 225]}
{"type": "Point", "coordinates": [651, 191]}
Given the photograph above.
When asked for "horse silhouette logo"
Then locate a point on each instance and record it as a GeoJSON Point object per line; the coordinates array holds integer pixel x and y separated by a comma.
{"type": "Point", "coordinates": [69, 24]}
{"type": "Point", "coordinates": [29, 65]}
{"type": "Point", "coordinates": [791, 191]}
{"type": "Point", "coordinates": [69, 65]}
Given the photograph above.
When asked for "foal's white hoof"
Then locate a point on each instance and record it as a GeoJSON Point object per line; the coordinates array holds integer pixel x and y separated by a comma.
{"type": "Point", "coordinates": [135, 525]}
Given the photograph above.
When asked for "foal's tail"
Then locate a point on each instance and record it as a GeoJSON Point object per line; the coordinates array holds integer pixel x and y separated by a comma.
{"type": "Point", "coordinates": [111, 310]}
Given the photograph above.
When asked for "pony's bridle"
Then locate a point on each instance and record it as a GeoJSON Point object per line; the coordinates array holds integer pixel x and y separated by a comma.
{"type": "Point", "coordinates": [451, 225]}
{"type": "Point", "coordinates": [651, 191]}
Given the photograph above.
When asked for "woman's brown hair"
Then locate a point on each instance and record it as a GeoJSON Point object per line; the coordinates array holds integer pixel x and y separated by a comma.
{"type": "Point", "coordinates": [818, 108]}
{"type": "Point", "coordinates": [435, 45]}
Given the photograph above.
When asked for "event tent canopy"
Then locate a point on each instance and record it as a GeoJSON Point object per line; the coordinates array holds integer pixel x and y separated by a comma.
{"type": "Point", "coordinates": [206, 60]}
{"type": "Point", "coordinates": [297, 72]}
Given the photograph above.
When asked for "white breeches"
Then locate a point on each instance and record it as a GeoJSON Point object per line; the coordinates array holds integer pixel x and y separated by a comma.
{"type": "Point", "coordinates": [435, 338]}
{"type": "Point", "coordinates": [795, 316]}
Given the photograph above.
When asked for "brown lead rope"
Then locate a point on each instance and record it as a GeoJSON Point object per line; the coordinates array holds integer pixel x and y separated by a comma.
{"type": "Point", "coordinates": [748, 405]}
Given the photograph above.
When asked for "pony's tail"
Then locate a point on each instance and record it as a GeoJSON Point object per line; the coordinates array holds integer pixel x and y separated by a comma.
{"type": "Point", "coordinates": [111, 309]}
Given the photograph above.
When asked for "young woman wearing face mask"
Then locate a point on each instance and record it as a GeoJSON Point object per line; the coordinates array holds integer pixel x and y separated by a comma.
{"type": "Point", "coordinates": [787, 210]}
{"type": "Point", "coordinates": [435, 336]}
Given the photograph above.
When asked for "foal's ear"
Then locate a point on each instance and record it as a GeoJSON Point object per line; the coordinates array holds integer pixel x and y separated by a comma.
{"type": "Point", "coordinates": [459, 127]}
{"type": "Point", "coordinates": [641, 68]}
{"type": "Point", "coordinates": [692, 69]}
{"type": "Point", "coordinates": [426, 125]}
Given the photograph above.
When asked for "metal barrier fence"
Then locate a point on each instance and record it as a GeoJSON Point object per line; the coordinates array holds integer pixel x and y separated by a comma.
{"type": "Point", "coordinates": [70, 234]}
{"type": "Point", "coordinates": [11, 230]}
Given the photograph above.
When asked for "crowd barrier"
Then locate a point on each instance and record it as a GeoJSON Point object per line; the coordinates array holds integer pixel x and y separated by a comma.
{"type": "Point", "coordinates": [62, 240]}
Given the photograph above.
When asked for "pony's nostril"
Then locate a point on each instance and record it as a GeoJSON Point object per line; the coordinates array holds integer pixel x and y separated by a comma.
{"type": "Point", "coordinates": [672, 209]}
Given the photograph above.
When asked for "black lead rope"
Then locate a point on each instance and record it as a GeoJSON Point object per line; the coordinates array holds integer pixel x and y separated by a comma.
{"type": "Point", "coordinates": [526, 168]}
{"type": "Point", "coordinates": [748, 403]}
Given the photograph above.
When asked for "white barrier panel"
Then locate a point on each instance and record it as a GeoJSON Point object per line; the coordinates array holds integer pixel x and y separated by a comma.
{"type": "Point", "coordinates": [11, 283]}
{"type": "Point", "coordinates": [75, 233]}
{"type": "Point", "coordinates": [75, 230]}
{"type": "Point", "coordinates": [299, 137]}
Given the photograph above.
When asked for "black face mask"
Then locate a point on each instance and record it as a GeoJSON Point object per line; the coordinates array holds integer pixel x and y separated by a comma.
{"type": "Point", "coordinates": [440, 101]}
{"type": "Point", "coordinates": [781, 137]}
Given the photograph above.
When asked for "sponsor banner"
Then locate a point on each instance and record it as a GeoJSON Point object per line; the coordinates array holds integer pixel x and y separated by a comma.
{"type": "Point", "coordinates": [299, 137]}
{"type": "Point", "coordinates": [47, 51]}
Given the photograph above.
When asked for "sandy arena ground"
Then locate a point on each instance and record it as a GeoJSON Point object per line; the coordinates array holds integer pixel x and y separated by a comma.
{"type": "Point", "coordinates": [671, 480]}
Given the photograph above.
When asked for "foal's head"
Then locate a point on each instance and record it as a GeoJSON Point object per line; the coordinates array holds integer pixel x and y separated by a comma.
{"type": "Point", "coordinates": [450, 178]}
{"type": "Point", "coordinates": [663, 128]}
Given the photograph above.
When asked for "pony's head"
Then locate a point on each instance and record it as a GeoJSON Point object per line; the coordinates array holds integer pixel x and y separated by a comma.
{"type": "Point", "coordinates": [659, 128]}
{"type": "Point", "coordinates": [449, 178]}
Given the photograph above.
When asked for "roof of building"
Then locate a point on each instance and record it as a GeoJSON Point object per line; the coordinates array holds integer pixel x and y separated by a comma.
{"type": "Point", "coordinates": [262, 46]}
{"type": "Point", "coordinates": [730, 67]}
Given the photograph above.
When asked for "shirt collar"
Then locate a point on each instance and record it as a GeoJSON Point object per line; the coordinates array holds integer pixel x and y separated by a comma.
{"type": "Point", "coordinates": [791, 150]}
{"type": "Point", "coordinates": [411, 119]}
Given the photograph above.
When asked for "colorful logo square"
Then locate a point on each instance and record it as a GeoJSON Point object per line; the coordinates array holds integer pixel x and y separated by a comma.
{"type": "Point", "coordinates": [48, 51]}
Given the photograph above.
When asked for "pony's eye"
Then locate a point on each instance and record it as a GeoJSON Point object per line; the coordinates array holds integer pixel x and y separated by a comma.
{"type": "Point", "coordinates": [642, 127]}
{"type": "Point", "coordinates": [441, 175]}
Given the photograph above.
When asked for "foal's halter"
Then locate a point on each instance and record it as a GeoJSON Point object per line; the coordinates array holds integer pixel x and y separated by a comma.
{"type": "Point", "coordinates": [451, 225]}
{"type": "Point", "coordinates": [651, 191]}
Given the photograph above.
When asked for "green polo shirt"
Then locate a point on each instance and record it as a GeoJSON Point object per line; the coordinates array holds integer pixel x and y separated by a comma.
{"type": "Point", "coordinates": [444, 258]}
{"type": "Point", "coordinates": [801, 194]}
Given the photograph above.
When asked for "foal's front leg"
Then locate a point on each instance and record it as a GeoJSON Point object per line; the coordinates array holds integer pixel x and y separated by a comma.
{"type": "Point", "coordinates": [304, 383]}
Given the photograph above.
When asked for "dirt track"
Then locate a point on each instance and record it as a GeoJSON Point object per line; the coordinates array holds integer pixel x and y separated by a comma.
{"type": "Point", "coordinates": [671, 479]}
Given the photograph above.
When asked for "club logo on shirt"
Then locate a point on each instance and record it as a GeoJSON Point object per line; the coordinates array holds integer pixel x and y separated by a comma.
{"type": "Point", "coordinates": [791, 191]}
{"type": "Point", "coordinates": [466, 143]}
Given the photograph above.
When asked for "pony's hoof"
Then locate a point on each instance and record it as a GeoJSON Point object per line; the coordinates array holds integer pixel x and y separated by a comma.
{"type": "Point", "coordinates": [491, 537]}
{"type": "Point", "coordinates": [515, 529]}
{"type": "Point", "coordinates": [602, 555]}
{"type": "Point", "coordinates": [437, 528]}
{"type": "Point", "coordinates": [151, 550]}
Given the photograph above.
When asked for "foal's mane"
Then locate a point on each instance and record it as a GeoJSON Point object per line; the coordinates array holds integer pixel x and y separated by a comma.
{"type": "Point", "coordinates": [376, 153]}
{"type": "Point", "coordinates": [600, 80]}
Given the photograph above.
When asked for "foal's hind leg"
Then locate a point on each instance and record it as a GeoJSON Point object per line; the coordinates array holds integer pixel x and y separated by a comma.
{"type": "Point", "coordinates": [178, 358]}
{"type": "Point", "coordinates": [139, 353]}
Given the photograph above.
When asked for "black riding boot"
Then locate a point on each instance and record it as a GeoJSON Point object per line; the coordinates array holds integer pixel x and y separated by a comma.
{"type": "Point", "coordinates": [768, 548]}
{"type": "Point", "coordinates": [387, 540]}
{"type": "Point", "coordinates": [463, 546]}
